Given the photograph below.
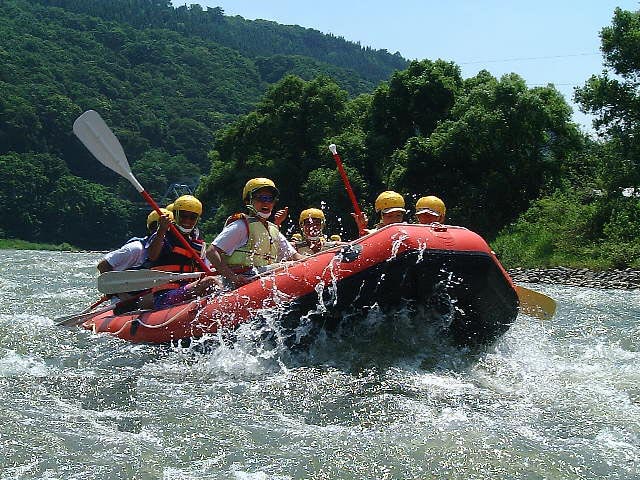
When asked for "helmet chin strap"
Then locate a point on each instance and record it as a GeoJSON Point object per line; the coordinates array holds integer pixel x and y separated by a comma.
{"type": "Point", "coordinates": [184, 230]}
{"type": "Point", "coordinates": [253, 211]}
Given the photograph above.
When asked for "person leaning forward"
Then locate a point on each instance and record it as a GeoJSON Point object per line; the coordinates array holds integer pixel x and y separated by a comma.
{"type": "Point", "coordinates": [134, 252]}
{"type": "Point", "coordinates": [249, 243]}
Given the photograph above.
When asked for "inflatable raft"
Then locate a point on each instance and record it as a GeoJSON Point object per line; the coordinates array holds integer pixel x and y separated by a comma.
{"type": "Point", "coordinates": [446, 268]}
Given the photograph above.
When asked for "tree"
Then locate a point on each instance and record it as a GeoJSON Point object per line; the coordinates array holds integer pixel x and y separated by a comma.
{"type": "Point", "coordinates": [502, 144]}
{"type": "Point", "coordinates": [279, 140]}
{"type": "Point", "coordinates": [157, 170]}
{"type": "Point", "coordinates": [411, 104]}
{"type": "Point", "coordinates": [616, 101]}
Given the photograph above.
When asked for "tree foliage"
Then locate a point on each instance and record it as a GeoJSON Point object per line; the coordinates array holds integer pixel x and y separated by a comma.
{"type": "Point", "coordinates": [615, 100]}
{"type": "Point", "coordinates": [166, 79]}
{"type": "Point", "coordinates": [587, 220]}
{"type": "Point", "coordinates": [268, 42]}
{"type": "Point", "coordinates": [488, 146]}
{"type": "Point", "coordinates": [45, 203]}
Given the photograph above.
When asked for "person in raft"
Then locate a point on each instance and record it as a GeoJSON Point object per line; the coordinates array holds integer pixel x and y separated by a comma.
{"type": "Point", "coordinates": [166, 252]}
{"type": "Point", "coordinates": [249, 242]}
{"type": "Point", "coordinates": [195, 233]}
{"type": "Point", "coordinates": [311, 238]}
{"type": "Point", "coordinates": [133, 253]}
{"type": "Point", "coordinates": [430, 210]}
{"type": "Point", "coordinates": [390, 205]}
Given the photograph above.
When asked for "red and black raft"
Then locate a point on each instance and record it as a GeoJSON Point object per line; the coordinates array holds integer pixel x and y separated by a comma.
{"type": "Point", "coordinates": [401, 265]}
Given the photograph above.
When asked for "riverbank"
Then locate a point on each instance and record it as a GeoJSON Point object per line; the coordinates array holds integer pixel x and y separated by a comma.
{"type": "Point", "coordinates": [15, 244]}
{"type": "Point", "coordinates": [625, 279]}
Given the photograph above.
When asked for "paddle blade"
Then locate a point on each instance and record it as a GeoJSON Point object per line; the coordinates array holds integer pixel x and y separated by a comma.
{"type": "Point", "coordinates": [94, 133]}
{"type": "Point", "coordinates": [134, 280]}
{"type": "Point", "coordinates": [535, 304]}
{"type": "Point", "coordinates": [78, 318]}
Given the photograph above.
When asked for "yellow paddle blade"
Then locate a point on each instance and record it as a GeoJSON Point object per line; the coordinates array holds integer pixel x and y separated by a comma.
{"type": "Point", "coordinates": [536, 304]}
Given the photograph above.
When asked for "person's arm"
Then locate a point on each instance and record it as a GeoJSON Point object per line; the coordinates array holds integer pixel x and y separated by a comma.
{"type": "Point", "coordinates": [232, 237]}
{"type": "Point", "coordinates": [157, 241]}
{"type": "Point", "coordinates": [286, 251]}
{"type": "Point", "coordinates": [280, 216]}
{"type": "Point", "coordinates": [361, 221]}
{"type": "Point", "coordinates": [298, 256]}
{"type": "Point", "coordinates": [214, 255]}
{"type": "Point", "coordinates": [104, 266]}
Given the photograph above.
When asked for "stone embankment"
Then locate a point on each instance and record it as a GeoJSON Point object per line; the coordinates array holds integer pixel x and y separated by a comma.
{"type": "Point", "coordinates": [627, 279]}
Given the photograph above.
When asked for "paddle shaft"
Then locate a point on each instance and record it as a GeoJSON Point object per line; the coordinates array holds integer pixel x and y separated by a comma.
{"type": "Point", "coordinates": [347, 186]}
{"type": "Point", "coordinates": [177, 234]}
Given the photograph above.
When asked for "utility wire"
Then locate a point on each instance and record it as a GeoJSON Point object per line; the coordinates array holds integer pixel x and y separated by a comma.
{"type": "Point", "coordinates": [529, 58]}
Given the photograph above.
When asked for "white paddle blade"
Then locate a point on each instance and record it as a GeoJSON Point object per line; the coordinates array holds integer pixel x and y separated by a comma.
{"type": "Point", "coordinates": [94, 133]}
{"type": "Point", "coordinates": [134, 280]}
{"type": "Point", "coordinates": [536, 304]}
{"type": "Point", "coordinates": [78, 318]}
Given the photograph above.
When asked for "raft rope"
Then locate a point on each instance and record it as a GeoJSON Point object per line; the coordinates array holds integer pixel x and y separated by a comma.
{"type": "Point", "coordinates": [161, 325]}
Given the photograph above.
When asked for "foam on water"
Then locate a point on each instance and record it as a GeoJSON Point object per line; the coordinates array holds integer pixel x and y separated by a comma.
{"type": "Point", "coordinates": [381, 397]}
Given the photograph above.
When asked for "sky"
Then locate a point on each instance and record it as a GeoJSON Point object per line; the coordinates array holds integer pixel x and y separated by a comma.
{"type": "Point", "coordinates": [543, 41]}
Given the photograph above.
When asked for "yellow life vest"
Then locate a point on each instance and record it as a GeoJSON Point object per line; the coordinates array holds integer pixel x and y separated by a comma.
{"type": "Point", "coordinates": [261, 248]}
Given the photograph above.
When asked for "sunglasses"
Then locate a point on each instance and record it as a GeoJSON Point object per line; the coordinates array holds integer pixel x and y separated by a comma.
{"type": "Point", "coordinates": [188, 216]}
{"type": "Point", "coordinates": [265, 198]}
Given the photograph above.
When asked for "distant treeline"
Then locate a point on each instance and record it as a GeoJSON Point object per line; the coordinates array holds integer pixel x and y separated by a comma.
{"type": "Point", "coordinates": [254, 39]}
{"type": "Point", "coordinates": [165, 93]}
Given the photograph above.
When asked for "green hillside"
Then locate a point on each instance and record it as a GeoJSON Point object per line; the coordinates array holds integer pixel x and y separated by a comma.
{"type": "Point", "coordinates": [253, 39]}
{"type": "Point", "coordinates": [165, 92]}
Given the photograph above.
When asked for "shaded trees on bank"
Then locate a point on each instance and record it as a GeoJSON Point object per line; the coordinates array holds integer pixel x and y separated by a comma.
{"type": "Point", "coordinates": [487, 146]}
{"type": "Point", "coordinates": [594, 217]}
{"type": "Point", "coordinates": [45, 203]}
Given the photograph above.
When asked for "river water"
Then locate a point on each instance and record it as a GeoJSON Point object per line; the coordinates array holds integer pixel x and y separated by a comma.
{"type": "Point", "coordinates": [559, 400]}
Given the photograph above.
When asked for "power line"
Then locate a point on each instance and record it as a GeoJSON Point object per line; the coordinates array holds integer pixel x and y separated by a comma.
{"type": "Point", "coordinates": [554, 84]}
{"type": "Point", "coordinates": [530, 58]}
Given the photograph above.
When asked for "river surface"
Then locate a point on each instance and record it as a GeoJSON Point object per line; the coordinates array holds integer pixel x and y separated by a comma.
{"type": "Point", "coordinates": [553, 400]}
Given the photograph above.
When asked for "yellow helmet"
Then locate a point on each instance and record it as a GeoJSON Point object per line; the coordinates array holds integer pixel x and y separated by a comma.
{"type": "Point", "coordinates": [187, 203]}
{"type": "Point", "coordinates": [256, 184]}
{"type": "Point", "coordinates": [335, 238]}
{"type": "Point", "coordinates": [311, 213]}
{"type": "Point", "coordinates": [154, 217]}
{"type": "Point", "coordinates": [432, 205]}
{"type": "Point", "coordinates": [170, 207]}
{"type": "Point", "coordinates": [389, 201]}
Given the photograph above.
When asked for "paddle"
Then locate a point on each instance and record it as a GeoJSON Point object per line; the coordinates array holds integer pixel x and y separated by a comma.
{"type": "Point", "coordinates": [133, 280]}
{"type": "Point", "coordinates": [94, 133]}
{"type": "Point", "coordinates": [536, 304]}
{"type": "Point", "coordinates": [78, 318]}
{"type": "Point", "coordinates": [347, 185]}
{"type": "Point", "coordinates": [62, 320]}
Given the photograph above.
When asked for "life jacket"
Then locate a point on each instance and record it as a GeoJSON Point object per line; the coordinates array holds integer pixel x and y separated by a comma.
{"type": "Point", "coordinates": [304, 246]}
{"type": "Point", "coordinates": [177, 259]}
{"type": "Point", "coordinates": [261, 248]}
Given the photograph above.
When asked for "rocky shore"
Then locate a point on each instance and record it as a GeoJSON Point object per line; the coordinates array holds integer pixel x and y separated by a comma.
{"type": "Point", "coordinates": [627, 279]}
